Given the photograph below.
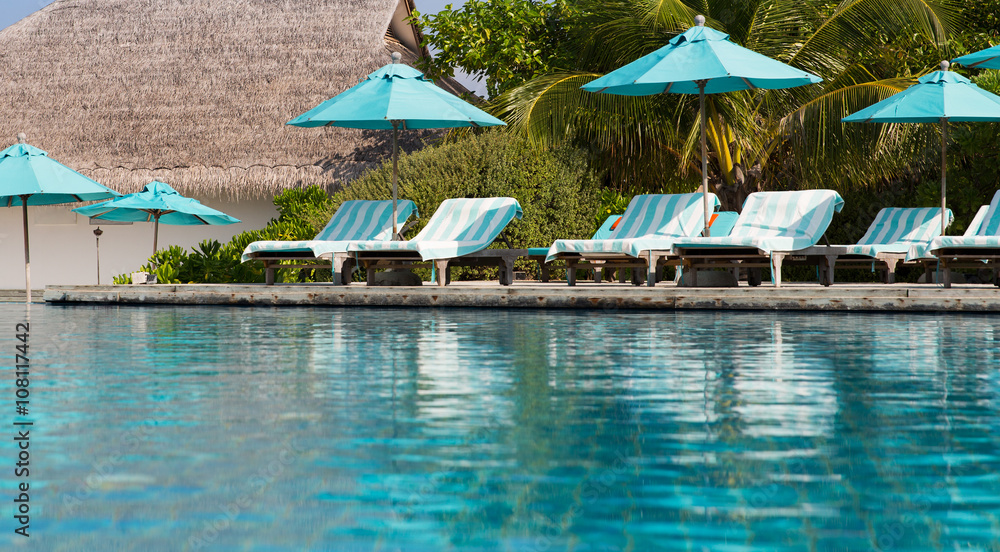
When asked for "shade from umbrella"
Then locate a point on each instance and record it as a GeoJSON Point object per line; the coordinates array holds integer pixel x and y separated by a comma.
{"type": "Point", "coordinates": [700, 61]}
{"type": "Point", "coordinates": [983, 59]}
{"type": "Point", "coordinates": [157, 202]}
{"type": "Point", "coordinates": [937, 97]}
{"type": "Point", "coordinates": [398, 97]}
{"type": "Point", "coordinates": [28, 176]}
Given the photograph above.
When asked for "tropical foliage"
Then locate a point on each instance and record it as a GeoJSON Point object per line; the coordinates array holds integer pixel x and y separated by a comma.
{"type": "Point", "coordinates": [865, 50]}
{"type": "Point", "coordinates": [212, 262]}
{"type": "Point", "coordinates": [557, 190]}
{"type": "Point", "coordinates": [505, 42]}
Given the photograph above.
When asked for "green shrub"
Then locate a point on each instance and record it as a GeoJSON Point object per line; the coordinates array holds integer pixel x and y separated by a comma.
{"type": "Point", "coordinates": [309, 209]}
{"type": "Point", "coordinates": [213, 262]}
{"type": "Point", "coordinates": [613, 202]}
{"type": "Point", "coordinates": [559, 194]}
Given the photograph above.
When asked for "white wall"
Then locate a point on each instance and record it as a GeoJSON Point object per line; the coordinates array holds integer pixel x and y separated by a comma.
{"type": "Point", "coordinates": [63, 248]}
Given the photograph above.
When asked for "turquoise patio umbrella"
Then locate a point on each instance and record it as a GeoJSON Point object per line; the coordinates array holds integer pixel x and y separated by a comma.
{"type": "Point", "coordinates": [396, 96]}
{"type": "Point", "coordinates": [157, 202]}
{"type": "Point", "coordinates": [700, 61]}
{"type": "Point", "coordinates": [937, 97]}
{"type": "Point", "coordinates": [28, 176]}
{"type": "Point", "coordinates": [983, 59]}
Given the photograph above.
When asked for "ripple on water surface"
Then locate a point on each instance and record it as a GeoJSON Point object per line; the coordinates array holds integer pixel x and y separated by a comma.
{"type": "Point", "coordinates": [473, 430]}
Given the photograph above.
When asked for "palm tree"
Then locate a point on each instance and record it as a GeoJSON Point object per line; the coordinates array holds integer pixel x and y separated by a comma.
{"type": "Point", "coordinates": [758, 138]}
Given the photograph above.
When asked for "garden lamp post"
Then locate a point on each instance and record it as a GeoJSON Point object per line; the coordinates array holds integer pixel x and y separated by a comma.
{"type": "Point", "coordinates": [97, 235]}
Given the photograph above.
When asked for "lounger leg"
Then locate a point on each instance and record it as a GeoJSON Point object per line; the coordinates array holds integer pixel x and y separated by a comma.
{"type": "Point", "coordinates": [653, 260]}
{"type": "Point", "coordinates": [506, 270]}
{"type": "Point", "coordinates": [442, 272]}
{"type": "Point", "coordinates": [339, 260]}
{"type": "Point", "coordinates": [571, 273]}
{"type": "Point", "coordinates": [598, 270]}
{"type": "Point", "coordinates": [831, 266]}
{"type": "Point", "coordinates": [947, 275]}
{"type": "Point", "coordinates": [544, 266]}
{"type": "Point", "coordinates": [776, 260]}
{"type": "Point", "coordinates": [349, 267]}
{"type": "Point", "coordinates": [268, 274]}
{"type": "Point", "coordinates": [890, 271]}
{"type": "Point", "coordinates": [370, 274]}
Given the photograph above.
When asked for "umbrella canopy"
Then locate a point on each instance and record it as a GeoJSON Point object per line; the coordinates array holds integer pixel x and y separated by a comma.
{"type": "Point", "coordinates": [983, 59]}
{"type": "Point", "coordinates": [28, 176]}
{"type": "Point", "coordinates": [397, 97]}
{"type": "Point", "coordinates": [157, 202]}
{"type": "Point", "coordinates": [937, 97]}
{"type": "Point", "coordinates": [700, 61]}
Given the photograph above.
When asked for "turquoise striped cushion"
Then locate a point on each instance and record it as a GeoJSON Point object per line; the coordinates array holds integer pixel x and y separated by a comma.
{"type": "Point", "coordinates": [897, 229]}
{"type": "Point", "coordinates": [991, 224]}
{"type": "Point", "coordinates": [354, 220]}
{"type": "Point", "coordinates": [986, 235]}
{"type": "Point", "coordinates": [651, 221]}
{"type": "Point", "coordinates": [778, 221]}
{"type": "Point", "coordinates": [365, 220]}
{"type": "Point", "coordinates": [458, 227]}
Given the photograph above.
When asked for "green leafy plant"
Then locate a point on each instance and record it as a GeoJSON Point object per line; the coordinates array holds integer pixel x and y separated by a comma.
{"type": "Point", "coordinates": [214, 262]}
{"type": "Point", "coordinates": [865, 50]}
{"type": "Point", "coordinates": [557, 190]}
{"type": "Point", "coordinates": [613, 202]}
{"type": "Point", "coordinates": [505, 41]}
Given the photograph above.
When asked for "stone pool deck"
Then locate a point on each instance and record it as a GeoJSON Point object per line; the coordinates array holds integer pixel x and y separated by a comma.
{"type": "Point", "coordinates": [527, 294]}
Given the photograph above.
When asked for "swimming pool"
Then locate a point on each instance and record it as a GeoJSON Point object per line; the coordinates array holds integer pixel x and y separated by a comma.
{"type": "Point", "coordinates": [165, 428]}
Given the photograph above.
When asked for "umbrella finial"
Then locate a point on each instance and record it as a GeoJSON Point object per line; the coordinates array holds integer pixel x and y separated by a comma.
{"type": "Point", "coordinates": [21, 138]}
{"type": "Point", "coordinates": [396, 56]}
{"type": "Point", "coordinates": [945, 65]}
{"type": "Point", "coordinates": [699, 20]}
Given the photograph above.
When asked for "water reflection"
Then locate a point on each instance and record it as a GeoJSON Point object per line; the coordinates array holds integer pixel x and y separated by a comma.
{"type": "Point", "coordinates": [510, 430]}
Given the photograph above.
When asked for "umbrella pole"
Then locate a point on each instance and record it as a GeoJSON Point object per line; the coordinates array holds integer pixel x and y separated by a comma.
{"type": "Point", "coordinates": [395, 175]}
{"type": "Point", "coordinates": [156, 232]}
{"type": "Point", "coordinates": [27, 256]}
{"type": "Point", "coordinates": [944, 171]}
{"type": "Point", "coordinates": [704, 159]}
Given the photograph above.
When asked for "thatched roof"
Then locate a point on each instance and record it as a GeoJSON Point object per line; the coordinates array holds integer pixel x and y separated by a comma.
{"type": "Point", "coordinates": [196, 92]}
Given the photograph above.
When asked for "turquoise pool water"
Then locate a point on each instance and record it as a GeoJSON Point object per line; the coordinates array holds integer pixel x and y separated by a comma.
{"type": "Point", "coordinates": [471, 430]}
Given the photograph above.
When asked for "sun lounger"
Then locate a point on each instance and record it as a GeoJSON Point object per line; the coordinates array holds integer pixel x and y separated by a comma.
{"type": "Point", "coordinates": [772, 228]}
{"type": "Point", "coordinates": [457, 235]}
{"type": "Point", "coordinates": [650, 221]}
{"type": "Point", "coordinates": [538, 254]}
{"type": "Point", "coordinates": [887, 242]}
{"type": "Point", "coordinates": [978, 248]}
{"type": "Point", "coordinates": [354, 220]}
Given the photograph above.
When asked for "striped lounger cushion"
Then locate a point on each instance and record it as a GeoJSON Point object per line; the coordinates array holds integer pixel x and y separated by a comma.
{"type": "Point", "coordinates": [459, 227]}
{"type": "Point", "coordinates": [777, 221]}
{"type": "Point", "coordinates": [985, 236]}
{"type": "Point", "coordinates": [651, 221]}
{"type": "Point", "coordinates": [896, 230]}
{"type": "Point", "coordinates": [354, 220]}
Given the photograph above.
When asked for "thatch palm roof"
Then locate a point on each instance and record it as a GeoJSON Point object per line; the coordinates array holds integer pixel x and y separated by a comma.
{"type": "Point", "coordinates": [196, 92]}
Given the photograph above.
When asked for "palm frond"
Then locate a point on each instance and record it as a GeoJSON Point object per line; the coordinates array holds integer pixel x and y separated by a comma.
{"type": "Point", "coordinates": [632, 134]}
{"type": "Point", "coordinates": [850, 31]}
{"type": "Point", "coordinates": [850, 154]}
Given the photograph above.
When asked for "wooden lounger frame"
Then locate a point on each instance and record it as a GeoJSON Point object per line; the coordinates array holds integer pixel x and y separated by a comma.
{"type": "Point", "coordinates": [501, 258]}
